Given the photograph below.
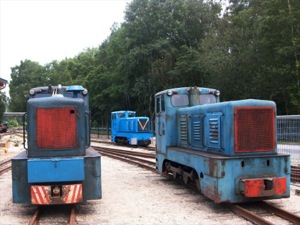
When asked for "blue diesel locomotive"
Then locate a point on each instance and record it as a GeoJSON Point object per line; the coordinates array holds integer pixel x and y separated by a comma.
{"type": "Point", "coordinates": [57, 166]}
{"type": "Point", "coordinates": [228, 149]}
{"type": "Point", "coordinates": [126, 128]}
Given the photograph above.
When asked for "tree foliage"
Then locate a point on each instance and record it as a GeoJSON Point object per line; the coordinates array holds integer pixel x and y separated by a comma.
{"type": "Point", "coordinates": [249, 50]}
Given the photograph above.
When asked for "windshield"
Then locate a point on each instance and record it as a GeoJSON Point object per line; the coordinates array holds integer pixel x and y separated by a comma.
{"type": "Point", "coordinates": [207, 99]}
{"type": "Point", "coordinates": [180, 100]}
{"type": "Point", "coordinates": [183, 100]}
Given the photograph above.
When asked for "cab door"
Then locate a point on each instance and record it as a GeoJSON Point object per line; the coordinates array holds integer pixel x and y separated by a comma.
{"type": "Point", "coordinates": [160, 123]}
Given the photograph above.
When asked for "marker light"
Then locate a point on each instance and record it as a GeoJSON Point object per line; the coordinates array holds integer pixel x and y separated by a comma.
{"type": "Point", "coordinates": [217, 92]}
{"type": "Point", "coordinates": [31, 92]}
{"type": "Point", "coordinates": [85, 92]}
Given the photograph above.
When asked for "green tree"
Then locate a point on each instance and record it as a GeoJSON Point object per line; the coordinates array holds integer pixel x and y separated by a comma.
{"type": "Point", "coordinates": [3, 104]}
{"type": "Point", "coordinates": [27, 75]}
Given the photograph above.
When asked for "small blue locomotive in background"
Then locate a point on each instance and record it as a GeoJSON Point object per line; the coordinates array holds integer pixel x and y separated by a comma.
{"type": "Point", "coordinates": [58, 165]}
{"type": "Point", "coordinates": [126, 128]}
{"type": "Point", "coordinates": [228, 149]}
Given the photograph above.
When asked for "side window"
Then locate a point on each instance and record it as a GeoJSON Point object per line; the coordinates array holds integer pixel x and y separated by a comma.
{"type": "Point", "coordinates": [131, 115]}
{"type": "Point", "coordinates": [113, 116]}
{"type": "Point", "coordinates": [163, 108]}
{"type": "Point", "coordinates": [159, 104]}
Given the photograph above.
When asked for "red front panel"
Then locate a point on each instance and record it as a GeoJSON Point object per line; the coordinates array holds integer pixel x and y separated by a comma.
{"type": "Point", "coordinates": [56, 128]}
{"type": "Point", "coordinates": [254, 129]}
{"type": "Point", "coordinates": [44, 195]}
{"type": "Point", "coordinates": [263, 187]}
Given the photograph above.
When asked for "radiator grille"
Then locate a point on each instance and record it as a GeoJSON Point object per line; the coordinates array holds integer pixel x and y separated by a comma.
{"type": "Point", "coordinates": [56, 128]}
{"type": "Point", "coordinates": [254, 129]}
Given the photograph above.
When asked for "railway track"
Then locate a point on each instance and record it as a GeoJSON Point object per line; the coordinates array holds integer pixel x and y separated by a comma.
{"type": "Point", "coordinates": [141, 159]}
{"type": "Point", "coordinates": [240, 209]}
{"type": "Point", "coordinates": [42, 212]}
{"type": "Point", "coordinates": [5, 165]}
{"type": "Point", "coordinates": [149, 148]}
{"type": "Point", "coordinates": [295, 170]}
{"type": "Point", "coordinates": [266, 209]}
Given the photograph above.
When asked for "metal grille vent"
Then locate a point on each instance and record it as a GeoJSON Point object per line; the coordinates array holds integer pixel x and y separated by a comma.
{"type": "Point", "coordinates": [254, 129]}
{"type": "Point", "coordinates": [213, 130]}
{"type": "Point", "coordinates": [183, 127]}
{"type": "Point", "coordinates": [197, 131]}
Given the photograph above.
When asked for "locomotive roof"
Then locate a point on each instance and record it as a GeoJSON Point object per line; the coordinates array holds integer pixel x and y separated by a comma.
{"type": "Point", "coordinates": [59, 89]}
{"type": "Point", "coordinates": [184, 90]}
{"type": "Point", "coordinates": [123, 111]}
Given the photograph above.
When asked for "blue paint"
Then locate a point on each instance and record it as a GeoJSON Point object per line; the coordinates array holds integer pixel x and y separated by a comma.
{"type": "Point", "coordinates": [195, 130]}
{"type": "Point", "coordinates": [55, 170]}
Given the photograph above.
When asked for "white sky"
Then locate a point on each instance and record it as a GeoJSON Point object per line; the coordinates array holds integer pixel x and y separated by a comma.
{"type": "Point", "coordinates": [47, 30]}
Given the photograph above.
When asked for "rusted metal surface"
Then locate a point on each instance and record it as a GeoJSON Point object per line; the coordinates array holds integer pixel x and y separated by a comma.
{"type": "Point", "coordinates": [241, 210]}
{"type": "Point", "coordinates": [35, 218]}
{"type": "Point", "coordinates": [130, 157]}
{"type": "Point", "coordinates": [72, 216]}
{"type": "Point", "coordinates": [108, 142]}
{"type": "Point", "coordinates": [264, 187]}
{"type": "Point", "coordinates": [281, 213]}
{"type": "Point", "coordinates": [5, 166]}
{"type": "Point", "coordinates": [249, 215]}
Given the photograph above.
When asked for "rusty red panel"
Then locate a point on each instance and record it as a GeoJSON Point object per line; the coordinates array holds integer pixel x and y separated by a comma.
{"type": "Point", "coordinates": [56, 128]}
{"type": "Point", "coordinates": [264, 187]}
{"type": "Point", "coordinates": [254, 129]}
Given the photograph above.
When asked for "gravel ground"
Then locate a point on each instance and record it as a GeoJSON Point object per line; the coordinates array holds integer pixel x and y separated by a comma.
{"type": "Point", "coordinates": [132, 195]}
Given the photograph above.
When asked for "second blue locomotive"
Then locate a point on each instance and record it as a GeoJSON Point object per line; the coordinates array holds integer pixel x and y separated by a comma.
{"type": "Point", "coordinates": [127, 128]}
{"type": "Point", "coordinates": [228, 149]}
{"type": "Point", "coordinates": [58, 166]}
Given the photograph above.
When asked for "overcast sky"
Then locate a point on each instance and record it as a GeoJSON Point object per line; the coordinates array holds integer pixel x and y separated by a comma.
{"type": "Point", "coordinates": [43, 31]}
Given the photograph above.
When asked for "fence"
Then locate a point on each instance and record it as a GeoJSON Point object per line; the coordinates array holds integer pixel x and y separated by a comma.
{"type": "Point", "coordinates": [288, 137]}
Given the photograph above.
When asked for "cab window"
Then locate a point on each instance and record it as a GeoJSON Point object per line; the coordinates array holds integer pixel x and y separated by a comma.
{"type": "Point", "coordinates": [207, 99]}
{"type": "Point", "coordinates": [179, 100]}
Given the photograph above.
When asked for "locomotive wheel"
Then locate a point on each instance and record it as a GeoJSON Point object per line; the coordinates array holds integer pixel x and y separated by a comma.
{"type": "Point", "coordinates": [197, 181]}
{"type": "Point", "coordinates": [174, 175]}
{"type": "Point", "coordinates": [185, 178]}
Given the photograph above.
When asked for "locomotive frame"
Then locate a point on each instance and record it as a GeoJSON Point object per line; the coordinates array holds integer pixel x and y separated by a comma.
{"type": "Point", "coordinates": [228, 149]}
